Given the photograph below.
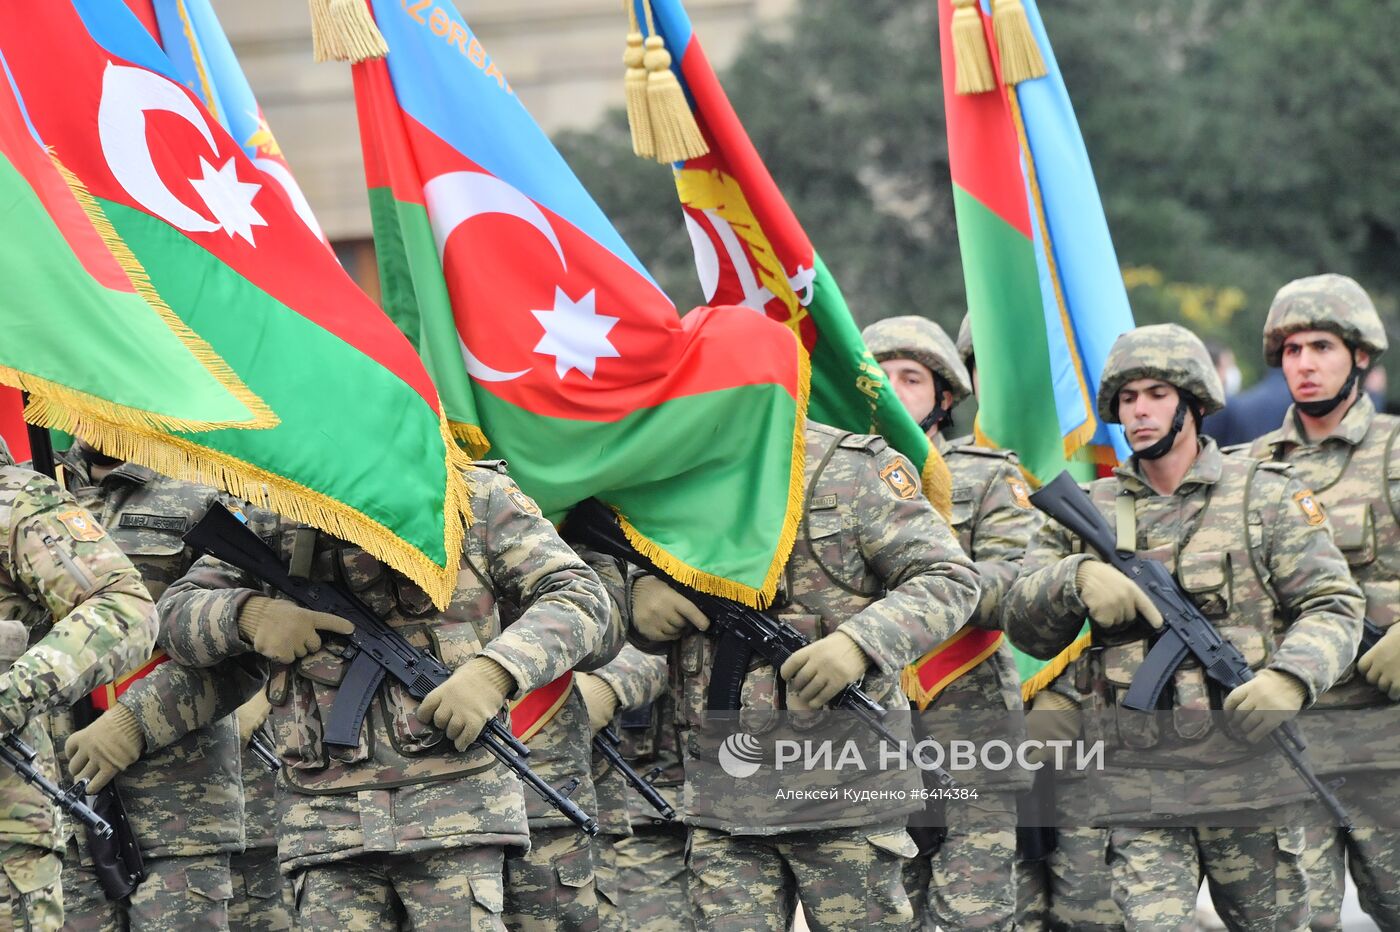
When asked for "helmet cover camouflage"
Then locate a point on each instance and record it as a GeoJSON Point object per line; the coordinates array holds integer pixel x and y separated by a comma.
{"type": "Point", "coordinates": [1168, 352]}
{"type": "Point", "coordinates": [964, 342]}
{"type": "Point", "coordinates": [923, 341]}
{"type": "Point", "coordinates": [1334, 303]}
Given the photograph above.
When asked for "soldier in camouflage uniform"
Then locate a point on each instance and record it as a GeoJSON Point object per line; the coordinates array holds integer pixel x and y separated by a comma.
{"type": "Point", "coordinates": [83, 605]}
{"type": "Point", "coordinates": [967, 882]}
{"type": "Point", "coordinates": [1071, 888]}
{"type": "Point", "coordinates": [262, 898]}
{"type": "Point", "coordinates": [1325, 333]}
{"type": "Point", "coordinates": [632, 680]}
{"type": "Point", "coordinates": [875, 580]}
{"type": "Point", "coordinates": [1255, 554]}
{"type": "Point", "coordinates": [402, 830]}
{"type": "Point", "coordinates": [185, 848]}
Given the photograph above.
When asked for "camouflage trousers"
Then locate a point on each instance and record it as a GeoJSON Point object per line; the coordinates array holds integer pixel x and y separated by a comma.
{"type": "Point", "coordinates": [651, 879]}
{"type": "Point", "coordinates": [443, 889]}
{"type": "Point", "coordinates": [845, 879]}
{"type": "Point", "coordinates": [551, 886]}
{"type": "Point", "coordinates": [178, 893]}
{"type": "Point", "coordinates": [1256, 874]}
{"type": "Point", "coordinates": [30, 889]}
{"type": "Point", "coordinates": [262, 897]}
{"type": "Point", "coordinates": [1071, 889]}
{"type": "Point", "coordinates": [970, 881]}
{"type": "Point", "coordinates": [1371, 851]}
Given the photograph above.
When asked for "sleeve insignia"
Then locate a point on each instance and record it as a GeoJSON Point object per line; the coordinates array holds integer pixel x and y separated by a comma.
{"type": "Point", "coordinates": [896, 476]}
{"type": "Point", "coordinates": [1310, 506]}
{"type": "Point", "coordinates": [524, 502]}
{"type": "Point", "coordinates": [81, 525]}
{"type": "Point", "coordinates": [1020, 492]}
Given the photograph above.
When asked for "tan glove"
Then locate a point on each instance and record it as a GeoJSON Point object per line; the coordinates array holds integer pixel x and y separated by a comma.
{"type": "Point", "coordinates": [660, 613]}
{"type": "Point", "coordinates": [251, 715]}
{"type": "Point", "coordinates": [1381, 664]}
{"type": "Point", "coordinates": [600, 699]}
{"type": "Point", "coordinates": [1111, 598]}
{"type": "Point", "coordinates": [284, 631]}
{"type": "Point", "coordinates": [105, 748]}
{"type": "Point", "coordinates": [822, 669]}
{"type": "Point", "coordinates": [472, 694]}
{"type": "Point", "coordinates": [1264, 703]}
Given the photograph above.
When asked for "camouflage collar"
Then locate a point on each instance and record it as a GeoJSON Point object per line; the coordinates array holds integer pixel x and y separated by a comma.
{"type": "Point", "coordinates": [1206, 470]}
{"type": "Point", "coordinates": [1356, 423]}
{"type": "Point", "coordinates": [940, 442]}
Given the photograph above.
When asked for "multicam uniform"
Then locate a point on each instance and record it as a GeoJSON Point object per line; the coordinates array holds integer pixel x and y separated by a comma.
{"type": "Point", "coordinates": [90, 620]}
{"type": "Point", "coordinates": [875, 560]}
{"type": "Point", "coordinates": [1256, 557]}
{"type": "Point", "coordinates": [1355, 472]}
{"type": "Point", "coordinates": [185, 845]}
{"type": "Point", "coordinates": [397, 831]}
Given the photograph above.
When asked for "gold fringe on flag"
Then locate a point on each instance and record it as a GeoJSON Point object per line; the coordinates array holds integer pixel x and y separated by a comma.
{"type": "Point", "coordinates": [1046, 674]}
{"type": "Point", "coordinates": [674, 132]}
{"type": "Point", "coordinates": [635, 86]}
{"type": "Point", "coordinates": [470, 438]}
{"type": "Point", "coordinates": [972, 61]}
{"type": "Point", "coordinates": [938, 483]}
{"type": "Point", "coordinates": [344, 30]}
{"type": "Point", "coordinates": [1016, 46]}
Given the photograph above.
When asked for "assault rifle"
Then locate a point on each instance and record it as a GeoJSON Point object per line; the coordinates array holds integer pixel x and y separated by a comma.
{"type": "Point", "coordinates": [377, 651]}
{"type": "Point", "coordinates": [606, 743]}
{"type": "Point", "coordinates": [743, 632]}
{"type": "Point", "coordinates": [1186, 631]}
{"type": "Point", "coordinates": [20, 757]}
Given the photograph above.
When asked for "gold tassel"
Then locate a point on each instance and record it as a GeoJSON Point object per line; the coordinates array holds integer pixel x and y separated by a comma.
{"type": "Point", "coordinates": [972, 61]}
{"type": "Point", "coordinates": [674, 131]}
{"type": "Point", "coordinates": [635, 82]}
{"type": "Point", "coordinates": [344, 30]}
{"type": "Point", "coordinates": [1020, 53]}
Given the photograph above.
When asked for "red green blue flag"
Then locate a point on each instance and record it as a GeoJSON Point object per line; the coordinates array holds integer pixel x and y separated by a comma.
{"type": "Point", "coordinates": [361, 449]}
{"type": "Point", "coordinates": [550, 342]}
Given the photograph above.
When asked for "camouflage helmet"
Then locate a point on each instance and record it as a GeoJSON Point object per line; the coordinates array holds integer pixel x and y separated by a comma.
{"type": "Point", "coordinates": [965, 350]}
{"type": "Point", "coordinates": [1168, 352]}
{"type": "Point", "coordinates": [923, 341]}
{"type": "Point", "coordinates": [1334, 303]}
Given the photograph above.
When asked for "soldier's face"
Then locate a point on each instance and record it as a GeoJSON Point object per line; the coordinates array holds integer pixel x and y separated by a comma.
{"type": "Point", "coordinates": [1146, 408]}
{"type": "Point", "coordinates": [1316, 364]}
{"type": "Point", "coordinates": [913, 383]}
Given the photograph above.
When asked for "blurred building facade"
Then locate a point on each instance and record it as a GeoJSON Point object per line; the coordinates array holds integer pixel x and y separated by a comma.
{"type": "Point", "coordinates": [562, 57]}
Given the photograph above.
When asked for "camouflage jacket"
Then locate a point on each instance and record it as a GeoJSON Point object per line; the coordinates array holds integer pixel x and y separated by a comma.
{"type": "Point", "coordinates": [146, 514]}
{"type": "Point", "coordinates": [1256, 557]}
{"type": "Point", "coordinates": [639, 679]}
{"type": "Point", "coordinates": [872, 558]}
{"type": "Point", "coordinates": [1356, 475]}
{"type": "Point", "coordinates": [398, 790]}
{"type": "Point", "coordinates": [89, 616]}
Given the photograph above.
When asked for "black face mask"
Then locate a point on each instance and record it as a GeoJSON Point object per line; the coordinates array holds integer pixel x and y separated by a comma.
{"type": "Point", "coordinates": [1328, 405]}
{"type": "Point", "coordinates": [1161, 447]}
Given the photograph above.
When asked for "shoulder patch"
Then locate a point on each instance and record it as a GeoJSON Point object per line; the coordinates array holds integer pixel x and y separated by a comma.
{"type": "Point", "coordinates": [1309, 505]}
{"type": "Point", "coordinates": [896, 476]}
{"type": "Point", "coordinates": [524, 502]}
{"type": "Point", "coordinates": [492, 465]}
{"type": "Point", "coordinates": [1020, 492]}
{"type": "Point", "coordinates": [868, 443]}
{"type": "Point", "coordinates": [81, 525]}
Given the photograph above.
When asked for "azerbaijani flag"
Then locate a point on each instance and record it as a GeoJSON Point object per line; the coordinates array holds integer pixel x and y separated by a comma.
{"type": "Point", "coordinates": [84, 331]}
{"type": "Point", "coordinates": [361, 449]}
{"type": "Point", "coordinates": [751, 250]}
{"type": "Point", "coordinates": [549, 340]}
{"type": "Point", "coordinates": [1045, 295]}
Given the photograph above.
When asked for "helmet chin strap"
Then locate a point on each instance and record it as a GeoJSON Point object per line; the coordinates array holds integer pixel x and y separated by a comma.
{"type": "Point", "coordinates": [939, 415]}
{"type": "Point", "coordinates": [1327, 405]}
{"type": "Point", "coordinates": [1168, 440]}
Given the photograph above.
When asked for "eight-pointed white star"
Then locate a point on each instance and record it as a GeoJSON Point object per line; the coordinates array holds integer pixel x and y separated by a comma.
{"type": "Point", "coordinates": [575, 334]}
{"type": "Point", "coordinates": [229, 200]}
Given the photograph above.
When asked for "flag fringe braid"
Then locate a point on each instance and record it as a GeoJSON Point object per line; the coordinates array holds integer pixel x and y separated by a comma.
{"type": "Point", "coordinates": [726, 588]}
{"type": "Point", "coordinates": [937, 481]}
{"type": "Point", "coordinates": [261, 417]}
{"type": "Point", "coordinates": [635, 87]}
{"type": "Point", "coordinates": [183, 459]}
{"type": "Point", "coordinates": [674, 132]}
{"type": "Point", "coordinates": [1016, 46]}
{"type": "Point", "coordinates": [912, 683]}
{"type": "Point", "coordinates": [471, 438]}
{"type": "Point", "coordinates": [344, 30]}
{"type": "Point", "coordinates": [972, 60]}
{"type": "Point", "coordinates": [1046, 674]}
